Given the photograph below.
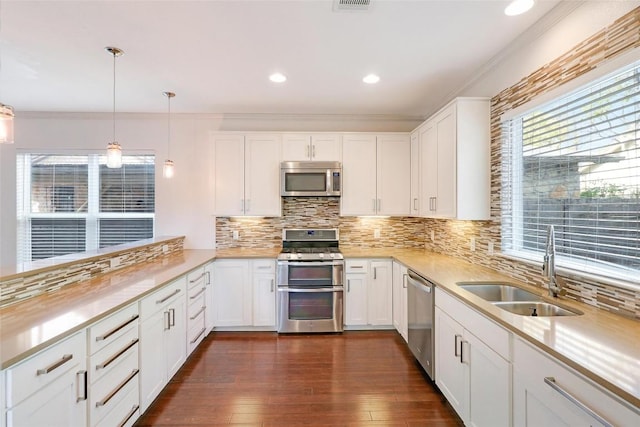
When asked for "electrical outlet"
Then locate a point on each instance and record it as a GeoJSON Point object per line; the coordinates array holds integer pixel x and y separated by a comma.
{"type": "Point", "coordinates": [433, 236]}
{"type": "Point", "coordinates": [376, 233]}
{"type": "Point", "coordinates": [236, 235]}
{"type": "Point", "coordinates": [114, 262]}
{"type": "Point", "coordinates": [472, 244]}
{"type": "Point", "coordinates": [490, 248]}
{"type": "Point", "coordinates": [165, 249]}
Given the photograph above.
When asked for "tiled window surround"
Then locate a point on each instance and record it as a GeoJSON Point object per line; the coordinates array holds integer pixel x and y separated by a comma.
{"type": "Point", "coordinates": [452, 237]}
{"type": "Point", "coordinates": [21, 286]}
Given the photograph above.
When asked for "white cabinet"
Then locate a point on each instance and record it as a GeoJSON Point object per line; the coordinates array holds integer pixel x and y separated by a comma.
{"type": "Point", "coordinates": [49, 388]}
{"type": "Point", "coordinates": [368, 297]}
{"type": "Point", "coordinates": [231, 293]}
{"type": "Point", "coordinates": [264, 292]}
{"type": "Point", "coordinates": [317, 147]}
{"type": "Point", "coordinates": [376, 174]}
{"type": "Point", "coordinates": [162, 338]}
{"type": "Point", "coordinates": [454, 159]}
{"type": "Point", "coordinates": [473, 370]}
{"type": "Point", "coordinates": [196, 308]}
{"type": "Point", "coordinates": [247, 174]}
{"type": "Point", "coordinates": [114, 369]}
{"type": "Point", "coordinates": [548, 393]}
{"type": "Point", "coordinates": [209, 312]}
{"type": "Point", "coordinates": [400, 319]}
{"type": "Point", "coordinates": [415, 174]}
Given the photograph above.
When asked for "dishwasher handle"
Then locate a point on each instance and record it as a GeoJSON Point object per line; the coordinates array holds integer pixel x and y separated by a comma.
{"type": "Point", "coordinates": [420, 281]}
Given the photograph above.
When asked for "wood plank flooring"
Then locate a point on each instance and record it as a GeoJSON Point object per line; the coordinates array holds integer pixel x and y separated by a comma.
{"type": "Point", "coordinates": [366, 378]}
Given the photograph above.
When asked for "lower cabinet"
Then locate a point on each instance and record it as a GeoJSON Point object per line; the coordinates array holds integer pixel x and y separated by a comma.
{"type": "Point", "coordinates": [162, 339]}
{"type": "Point", "coordinates": [473, 370]}
{"type": "Point", "coordinates": [368, 293]}
{"type": "Point", "coordinates": [400, 319]}
{"type": "Point", "coordinates": [548, 393]}
{"type": "Point", "coordinates": [49, 388]}
{"type": "Point", "coordinates": [244, 293]}
{"type": "Point", "coordinates": [197, 287]}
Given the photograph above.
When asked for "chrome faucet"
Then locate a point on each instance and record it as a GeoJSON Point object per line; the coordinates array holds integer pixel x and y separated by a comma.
{"type": "Point", "coordinates": [549, 264]}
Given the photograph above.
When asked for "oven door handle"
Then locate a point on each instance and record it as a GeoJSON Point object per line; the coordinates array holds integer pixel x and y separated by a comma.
{"type": "Point", "coordinates": [312, 263]}
{"type": "Point", "coordinates": [312, 290]}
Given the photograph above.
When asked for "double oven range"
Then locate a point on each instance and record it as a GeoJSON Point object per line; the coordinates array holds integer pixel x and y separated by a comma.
{"type": "Point", "coordinates": [310, 277]}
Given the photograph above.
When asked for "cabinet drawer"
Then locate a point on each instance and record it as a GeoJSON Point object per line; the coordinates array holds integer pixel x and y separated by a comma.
{"type": "Point", "coordinates": [493, 335]}
{"type": "Point", "coordinates": [196, 307]}
{"type": "Point", "coordinates": [195, 295]}
{"type": "Point", "coordinates": [264, 266]}
{"type": "Point", "coordinates": [356, 266]}
{"type": "Point", "coordinates": [197, 331]}
{"type": "Point", "coordinates": [45, 367]}
{"type": "Point", "coordinates": [156, 301]}
{"type": "Point", "coordinates": [126, 411]}
{"type": "Point", "coordinates": [106, 331]}
{"type": "Point", "coordinates": [106, 360]}
{"type": "Point", "coordinates": [196, 279]}
{"type": "Point", "coordinates": [110, 389]}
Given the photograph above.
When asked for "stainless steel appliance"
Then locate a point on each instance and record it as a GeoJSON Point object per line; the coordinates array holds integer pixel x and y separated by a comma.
{"type": "Point", "coordinates": [310, 277]}
{"type": "Point", "coordinates": [300, 179]}
{"type": "Point", "coordinates": [420, 312]}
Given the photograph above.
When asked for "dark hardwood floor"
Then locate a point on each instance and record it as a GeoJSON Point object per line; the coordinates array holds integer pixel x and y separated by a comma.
{"type": "Point", "coordinates": [266, 379]}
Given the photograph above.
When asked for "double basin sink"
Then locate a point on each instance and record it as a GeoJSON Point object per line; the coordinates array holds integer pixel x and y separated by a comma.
{"type": "Point", "coordinates": [515, 300]}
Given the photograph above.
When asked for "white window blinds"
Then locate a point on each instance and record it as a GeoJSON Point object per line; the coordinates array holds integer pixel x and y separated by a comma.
{"type": "Point", "coordinates": [575, 163]}
{"type": "Point", "coordinates": [74, 203]}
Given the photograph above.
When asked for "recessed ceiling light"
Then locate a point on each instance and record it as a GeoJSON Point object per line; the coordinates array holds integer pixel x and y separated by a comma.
{"type": "Point", "coordinates": [278, 78]}
{"type": "Point", "coordinates": [517, 7]}
{"type": "Point", "coordinates": [371, 79]}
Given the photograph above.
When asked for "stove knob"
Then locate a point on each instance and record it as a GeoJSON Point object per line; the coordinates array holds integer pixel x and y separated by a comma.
{"type": "Point", "coordinates": [332, 255]}
{"type": "Point", "coordinates": [321, 255]}
{"type": "Point", "coordinates": [290, 256]}
{"type": "Point", "coordinates": [299, 256]}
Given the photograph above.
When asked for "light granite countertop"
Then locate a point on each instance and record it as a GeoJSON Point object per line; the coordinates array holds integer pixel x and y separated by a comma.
{"type": "Point", "coordinates": [602, 346]}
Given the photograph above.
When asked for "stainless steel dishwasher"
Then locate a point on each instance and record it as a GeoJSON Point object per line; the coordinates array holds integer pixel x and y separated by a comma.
{"type": "Point", "coordinates": [421, 320]}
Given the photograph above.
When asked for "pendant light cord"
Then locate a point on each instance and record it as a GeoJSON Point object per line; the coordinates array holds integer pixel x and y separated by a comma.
{"type": "Point", "coordinates": [169, 127]}
{"type": "Point", "coordinates": [114, 97]}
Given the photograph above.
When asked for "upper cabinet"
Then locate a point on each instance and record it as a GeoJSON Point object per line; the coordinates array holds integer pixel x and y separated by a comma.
{"type": "Point", "coordinates": [247, 174]}
{"type": "Point", "coordinates": [415, 174]}
{"type": "Point", "coordinates": [454, 162]}
{"type": "Point", "coordinates": [376, 174]}
{"type": "Point", "coordinates": [316, 147]}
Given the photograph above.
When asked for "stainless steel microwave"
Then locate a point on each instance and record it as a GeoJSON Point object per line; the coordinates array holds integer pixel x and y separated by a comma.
{"type": "Point", "coordinates": [300, 179]}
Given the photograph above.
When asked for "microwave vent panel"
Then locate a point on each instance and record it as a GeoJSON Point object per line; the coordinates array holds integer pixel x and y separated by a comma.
{"type": "Point", "coordinates": [351, 5]}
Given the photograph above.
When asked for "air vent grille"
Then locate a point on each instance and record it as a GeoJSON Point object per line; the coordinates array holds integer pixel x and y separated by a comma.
{"type": "Point", "coordinates": [355, 5]}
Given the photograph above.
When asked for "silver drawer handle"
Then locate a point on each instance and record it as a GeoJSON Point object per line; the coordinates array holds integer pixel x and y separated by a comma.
{"type": "Point", "coordinates": [129, 415]}
{"type": "Point", "coordinates": [117, 328]}
{"type": "Point", "coordinates": [118, 354]}
{"type": "Point", "coordinates": [117, 389]}
{"type": "Point", "coordinates": [264, 267]}
{"type": "Point", "coordinates": [84, 387]}
{"type": "Point", "coordinates": [197, 278]}
{"type": "Point", "coordinates": [160, 301]}
{"type": "Point", "coordinates": [551, 382]}
{"type": "Point", "coordinates": [193, 341]}
{"type": "Point", "coordinates": [356, 266]}
{"type": "Point", "coordinates": [197, 314]}
{"type": "Point", "coordinates": [55, 365]}
{"type": "Point", "coordinates": [198, 294]}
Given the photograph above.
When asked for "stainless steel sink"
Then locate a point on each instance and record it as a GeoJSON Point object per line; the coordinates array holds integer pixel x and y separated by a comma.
{"type": "Point", "coordinates": [525, 308]}
{"type": "Point", "coordinates": [499, 292]}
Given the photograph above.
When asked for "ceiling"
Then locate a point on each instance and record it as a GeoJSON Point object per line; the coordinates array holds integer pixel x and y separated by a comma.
{"type": "Point", "coordinates": [217, 54]}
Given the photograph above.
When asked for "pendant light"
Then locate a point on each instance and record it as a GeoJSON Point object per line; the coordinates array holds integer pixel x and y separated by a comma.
{"type": "Point", "coordinates": [167, 170]}
{"type": "Point", "coordinates": [114, 151]}
{"type": "Point", "coordinates": [6, 124]}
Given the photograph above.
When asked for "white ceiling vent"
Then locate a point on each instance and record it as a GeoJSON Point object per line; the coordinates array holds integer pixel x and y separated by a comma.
{"type": "Point", "coordinates": [351, 5]}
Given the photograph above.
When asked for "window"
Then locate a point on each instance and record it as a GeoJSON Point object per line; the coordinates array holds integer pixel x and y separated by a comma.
{"type": "Point", "coordinates": [74, 203]}
{"type": "Point", "coordinates": [575, 163]}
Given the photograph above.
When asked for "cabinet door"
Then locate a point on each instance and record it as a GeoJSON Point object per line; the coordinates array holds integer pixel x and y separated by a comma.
{"type": "Point", "coordinates": [296, 147]}
{"type": "Point", "coordinates": [489, 384]}
{"type": "Point", "coordinates": [326, 148]}
{"type": "Point", "coordinates": [355, 300]}
{"type": "Point", "coordinates": [415, 173]}
{"type": "Point", "coordinates": [262, 175]}
{"type": "Point", "coordinates": [451, 374]}
{"type": "Point", "coordinates": [264, 299]}
{"type": "Point", "coordinates": [229, 174]}
{"type": "Point", "coordinates": [359, 193]}
{"type": "Point", "coordinates": [175, 345]}
{"type": "Point", "coordinates": [394, 175]}
{"type": "Point", "coordinates": [447, 167]}
{"type": "Point", "coordinates": [153, 370]}
{"type": "Point", "coordinates": [428, 169]}
{"type": "Point", "coordinates": [400, 299]}
{"type": "Point", "coordinates": [232, 293]}
{"type": "Point", "coordinates": [380, 294]}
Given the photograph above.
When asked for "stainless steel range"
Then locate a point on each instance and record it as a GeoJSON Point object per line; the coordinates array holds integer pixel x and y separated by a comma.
{"type": "Point", "coordinates": [310, 279]}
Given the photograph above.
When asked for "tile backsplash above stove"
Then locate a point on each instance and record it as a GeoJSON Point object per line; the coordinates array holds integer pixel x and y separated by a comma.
{"type": "Point", "coordinates": [319, 212]}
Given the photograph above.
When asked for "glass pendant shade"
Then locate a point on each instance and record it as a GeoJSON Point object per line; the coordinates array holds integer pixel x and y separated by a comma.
{"type": "Point", "coordinates": [6, 124]}
{"type": "Point", "coordinates": [168, 169]}
{"type": "Point", "coordinates": [114, 155]}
